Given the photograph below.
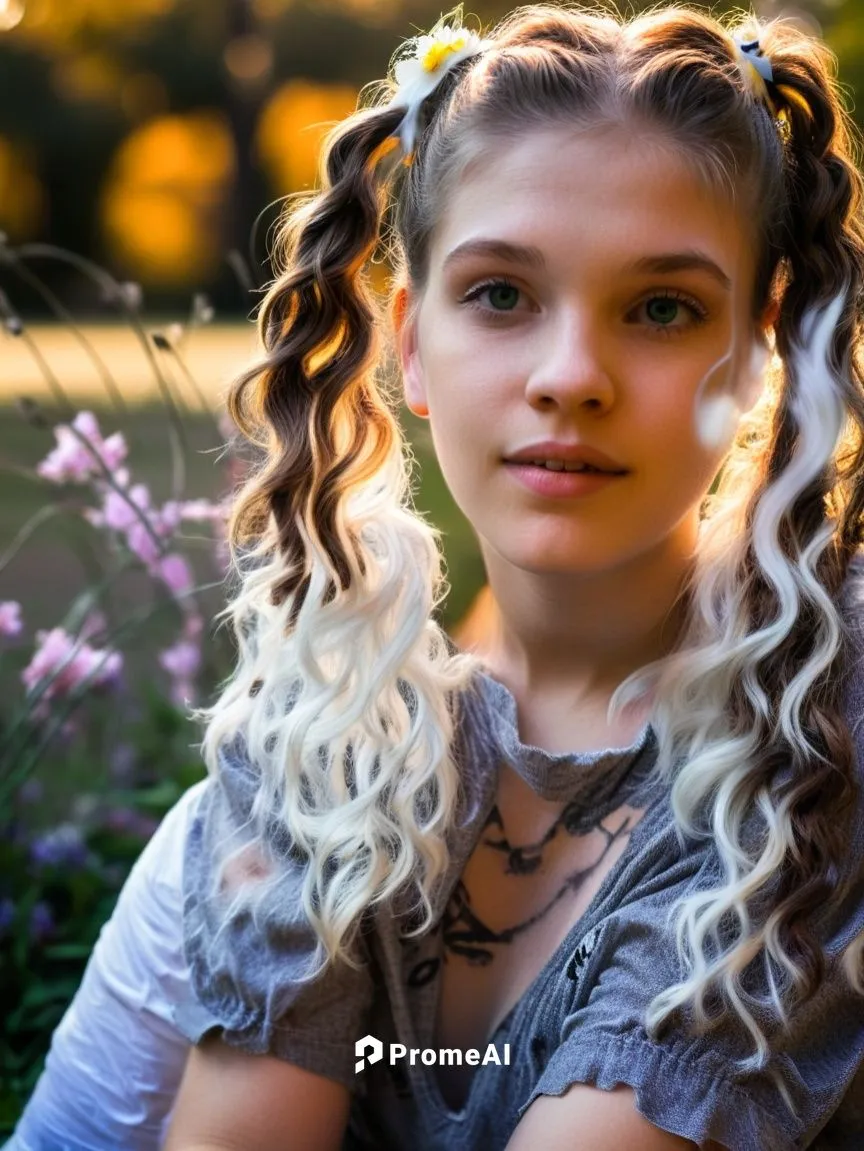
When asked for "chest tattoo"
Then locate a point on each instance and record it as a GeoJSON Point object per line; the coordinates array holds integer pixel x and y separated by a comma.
{"type": "Point", "coordinates": [465, 933]}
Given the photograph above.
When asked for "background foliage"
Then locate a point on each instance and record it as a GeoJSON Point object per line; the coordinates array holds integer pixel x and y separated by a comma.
{"type": "Point", "coordinates": [149, 134]}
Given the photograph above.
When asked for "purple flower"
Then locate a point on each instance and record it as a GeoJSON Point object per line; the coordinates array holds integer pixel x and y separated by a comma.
{"type": "Point", "coordinates": [148, 529]}
{"type": "Point", "coordinates": [182, 692]}
{"type": "Point", "coordinates": [41, 922]}
{"type": "Point", "coordinates": [142, 543]}
{"type": "Point", "coordinates": [31, 791]}
{"type": "Point", "coordinates": [118, 512]}
{"type": "Point", "coordinates": [63, 846]}
{"type": "Point", "coordinates": [10, 618]}
{"type": "Point", "coordinates": [128, 821]}
{"type": "Point", "coordinates": [122, 762]}
{"type": "Point", "coordinates": [201, 510]}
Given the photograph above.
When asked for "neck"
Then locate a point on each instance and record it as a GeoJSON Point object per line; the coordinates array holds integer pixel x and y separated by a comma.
{"type": "Point", "coordinates": [581, 633]}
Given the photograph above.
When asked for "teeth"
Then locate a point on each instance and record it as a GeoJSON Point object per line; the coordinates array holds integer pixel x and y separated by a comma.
{"type": "Point", "coordinates": [561, 466]}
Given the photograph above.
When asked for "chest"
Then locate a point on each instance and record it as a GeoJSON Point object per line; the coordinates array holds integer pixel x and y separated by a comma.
{"type": "Point", "coordinates": [532, 874]}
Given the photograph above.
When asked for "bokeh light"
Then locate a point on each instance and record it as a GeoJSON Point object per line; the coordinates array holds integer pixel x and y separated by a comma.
{"type": "Point", "coordinates": [87, 76]}
{"type": "Point", "coordinates": [164, 197]}
{"type": "Point", "coordinates": [11, 14]}
{"type": "Point", "coordinates": [292, 126]}
{"type": "Point", "coordinates": [53, 23]}
{"type": "Point", "coordinates": [22, 202]}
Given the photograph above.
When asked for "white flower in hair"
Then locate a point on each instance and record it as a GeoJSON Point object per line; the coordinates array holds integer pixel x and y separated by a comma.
{"type": "Point", "coordinates": [419, 75]}
{"type": "Point", "coordinates": [754, 65]}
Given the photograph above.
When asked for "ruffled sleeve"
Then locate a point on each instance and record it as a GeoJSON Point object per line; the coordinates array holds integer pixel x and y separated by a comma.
{"type": "Point", "coordinates": [690, 1085]}
{"type": "Point", "coordinates": [694, 1086]}
{"type": "Point", "coordinates": [249, 945]}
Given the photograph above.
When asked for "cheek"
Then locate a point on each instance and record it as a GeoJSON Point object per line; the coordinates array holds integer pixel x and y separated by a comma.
{"type": "Point", "coordinates": [467, 394]}
{"type": "Point", "coordinates": [672, 394]}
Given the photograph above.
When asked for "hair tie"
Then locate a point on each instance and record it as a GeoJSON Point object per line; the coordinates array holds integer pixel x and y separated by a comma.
{"type": "Point", "coordinates": [754, 66]}
{"type": "Point", "coordinates": [418, 76]}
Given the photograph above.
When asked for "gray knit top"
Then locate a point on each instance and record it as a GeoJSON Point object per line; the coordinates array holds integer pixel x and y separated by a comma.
{"type": "Point", "coordinates": [580, 1020]}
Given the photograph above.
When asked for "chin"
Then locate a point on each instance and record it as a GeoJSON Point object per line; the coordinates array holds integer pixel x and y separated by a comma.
{"type": "Point", "coordinates": [576, 560]}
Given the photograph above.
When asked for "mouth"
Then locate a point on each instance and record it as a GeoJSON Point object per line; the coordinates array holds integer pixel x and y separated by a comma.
{"type": "Point", "coordinates": [565, 466]}
{"type": "Point", "coordinates": [560, 482]}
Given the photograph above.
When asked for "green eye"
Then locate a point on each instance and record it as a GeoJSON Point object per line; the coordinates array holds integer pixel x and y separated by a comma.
{"type": "Point", "coordinates": [503, 297]}
{"type": "Point", "coordinates": [662, 310]}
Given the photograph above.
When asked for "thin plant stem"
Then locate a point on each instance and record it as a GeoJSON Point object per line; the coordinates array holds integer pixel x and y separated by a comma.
{"type": "Point", "coordinates": [62, 312]}
{"type": "Point", "coordinates": [27, 530]}
{"type": "Point", "coordinates": [203, 403]}
{"type": "Point", "coordinates": [57, 389]}
{"type": "Point", "coordinates": [10, 784]}
{"type": "Point", "coordinates": [113, 292]}
{"type": "Point", "coordinates": [89, 599]}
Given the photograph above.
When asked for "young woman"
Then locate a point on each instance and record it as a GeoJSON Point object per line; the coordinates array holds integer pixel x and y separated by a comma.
{"type": "Point", "coordinates": [616, 852]}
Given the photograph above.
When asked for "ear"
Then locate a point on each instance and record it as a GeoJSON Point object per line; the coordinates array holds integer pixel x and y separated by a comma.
{"type": "Point", "coordinates": [404, 314]}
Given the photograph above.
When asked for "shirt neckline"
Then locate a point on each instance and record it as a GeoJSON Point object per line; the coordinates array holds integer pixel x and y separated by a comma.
{"type": "Point", "coordinates": [587, 776]}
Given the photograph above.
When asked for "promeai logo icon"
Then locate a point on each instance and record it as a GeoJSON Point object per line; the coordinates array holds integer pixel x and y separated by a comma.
{"type": "Point", "coordinates": [428, 1056]}
{"type": "Point", "coordinates": [368, 1043]}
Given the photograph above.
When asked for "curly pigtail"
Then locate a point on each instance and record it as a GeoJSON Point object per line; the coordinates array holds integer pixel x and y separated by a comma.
{"type": "Point", "coordinates": [345, 684]}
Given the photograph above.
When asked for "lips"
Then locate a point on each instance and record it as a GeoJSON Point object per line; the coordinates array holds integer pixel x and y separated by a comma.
{"type": "Point", "coordinates": [567, 453]}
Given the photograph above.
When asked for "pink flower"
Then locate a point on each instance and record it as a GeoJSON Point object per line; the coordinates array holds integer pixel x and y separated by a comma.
{"type": "Point", "coordinates": [201, 510]}
{"type": "Point", "coordinates": [182, 660]}
{"type": "Point", "coordinates": [10, 618]}
{"type": "Point", "coordinates": [118, 512]}
{"type": "Point", "coordinates": [56, 658]}
{"type": "Point", "coordinates": [71, 461]}
{"type": "Point", "coordinates": [93, 624]}
{"type": "Point", "coordinates": [143, 543]}
{"type": "Point", "coordinates": [176, 573]}
{"type": "Point", "coordinates": [171, 516]}
{"type": "Point", "coordinates": [193, 626]}
{"type": "Point", "coordinates": [182, 692]}
{"type": "Point", "coordinates": [144, 529]}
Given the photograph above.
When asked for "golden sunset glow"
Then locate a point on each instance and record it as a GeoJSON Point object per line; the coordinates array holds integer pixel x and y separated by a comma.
{"type": "Point", "coordinates": [53, 23]}
{"type": "Point", "coordinates": [162, 203]}
{"type": "Point", "coordinates": [292, 126]}
{"type": "Point", "coordinates": [21, 199]}
{"type": "Point", "coordinates": [11, 14]}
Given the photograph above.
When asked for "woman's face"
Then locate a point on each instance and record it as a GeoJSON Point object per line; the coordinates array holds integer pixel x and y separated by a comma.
{"type": "Point", "coordinates": [581, 285]}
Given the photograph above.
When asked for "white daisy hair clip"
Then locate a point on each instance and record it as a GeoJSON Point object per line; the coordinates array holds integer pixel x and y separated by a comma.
{"type": "Point", "coordinates": [418, 75]}
{"type": "Point", "coordinates": [754, 65]}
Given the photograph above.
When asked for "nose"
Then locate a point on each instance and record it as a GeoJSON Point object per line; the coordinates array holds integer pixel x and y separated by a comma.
{"type": "Point", "coordinates": [573, 367]}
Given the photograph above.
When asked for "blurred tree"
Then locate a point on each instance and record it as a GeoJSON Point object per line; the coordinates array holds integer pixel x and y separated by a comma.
{"type": "Point", "coordinates": [82, 80]}
{"type": "Point", "coordinates": [248, 63]}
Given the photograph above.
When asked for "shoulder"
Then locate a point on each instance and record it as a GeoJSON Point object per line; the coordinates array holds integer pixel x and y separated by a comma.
{"type": "Point", "coordinates": [606, 1120]}
{"type": "Point", "coordinates": [697, 1086]}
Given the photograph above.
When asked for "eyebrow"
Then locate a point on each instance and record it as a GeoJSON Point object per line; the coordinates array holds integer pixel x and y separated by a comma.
{"type": "Point", "coordinates": [663, 263]}
{"type": "Point", "coordinates": [502, 249]}
{"type": "Point", "coordinates": [689, 261]}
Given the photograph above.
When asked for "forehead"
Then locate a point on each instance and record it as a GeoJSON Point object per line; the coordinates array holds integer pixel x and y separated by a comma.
{"type": "Point", "coordinates": [599, 197]}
